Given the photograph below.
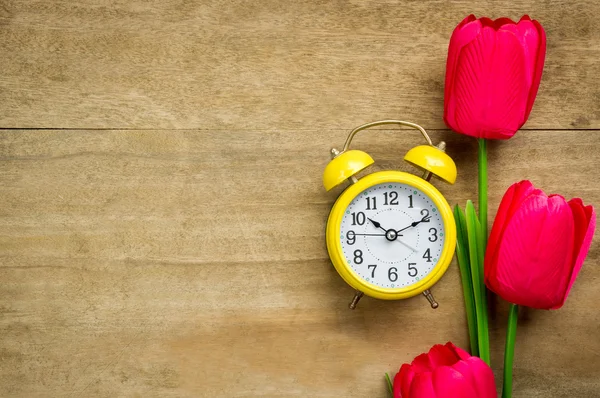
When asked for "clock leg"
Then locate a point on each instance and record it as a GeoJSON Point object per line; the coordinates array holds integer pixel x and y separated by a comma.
{"type": "Point", "coordinates": [357, 296]}
{"type": "Point", "coordinates": [429, 296]}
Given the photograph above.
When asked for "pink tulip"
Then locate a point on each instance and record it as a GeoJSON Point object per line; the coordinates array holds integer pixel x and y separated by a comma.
{"type": "Point", "coordinates": [492, 75]}
{"type": "Point", "coordinates": [537, 246]}
{"type": "Point", "coordinates": [445, 371]}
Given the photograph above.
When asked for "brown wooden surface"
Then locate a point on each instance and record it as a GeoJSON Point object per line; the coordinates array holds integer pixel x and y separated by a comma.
{"type": "Point", "coordinates": [266, 64]}
{"type": "Point", "coordinates": [145, 260]}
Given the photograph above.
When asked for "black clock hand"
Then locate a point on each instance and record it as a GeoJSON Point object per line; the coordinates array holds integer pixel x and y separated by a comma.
{"type": "Point", "coordinates": [376, 224]}
{"type": "Point", "coordinates": [414, 224]}
{"type": "Point", "coordinates": [370, 234]}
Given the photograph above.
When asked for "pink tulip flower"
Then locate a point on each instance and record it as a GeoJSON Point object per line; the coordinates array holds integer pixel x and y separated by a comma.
{"type": "Point", "coordinates": [492, 75]}
{"type": "Point", "coordinates": [537, 246]}
{"type": "Point", "coordinates": [446, 371]}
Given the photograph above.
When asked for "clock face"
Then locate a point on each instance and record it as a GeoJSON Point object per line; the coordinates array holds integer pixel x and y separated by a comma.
{"type": "Point", "coordinates": [392, 235]}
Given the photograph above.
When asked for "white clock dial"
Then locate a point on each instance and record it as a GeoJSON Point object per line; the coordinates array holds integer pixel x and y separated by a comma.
{"type": "Point", "coordinates": [392, 235]}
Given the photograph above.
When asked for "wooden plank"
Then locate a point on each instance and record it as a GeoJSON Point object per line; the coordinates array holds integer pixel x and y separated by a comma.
{"type": "Point", "coordinates": [193, 263]}
{"type": "Point", "coordinates": [266, 65]}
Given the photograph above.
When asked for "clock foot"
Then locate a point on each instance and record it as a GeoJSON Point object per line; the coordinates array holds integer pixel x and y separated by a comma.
{"type": "Point", "coordinates": [429, 296]}
{"type": "Point", "coordinates": [357, 296]}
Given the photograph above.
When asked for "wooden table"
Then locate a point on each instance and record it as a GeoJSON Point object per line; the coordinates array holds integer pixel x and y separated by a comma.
{"type": "Point", "coordinates": [162, 218]}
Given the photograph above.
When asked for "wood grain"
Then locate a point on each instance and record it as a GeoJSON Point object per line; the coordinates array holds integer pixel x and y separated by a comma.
{"type": "Point", "coordinates": [192, 263]}
{"type": "Point", "coordinates": [162, 226]}
{"type": "Point", "coordinates": [268, 65]}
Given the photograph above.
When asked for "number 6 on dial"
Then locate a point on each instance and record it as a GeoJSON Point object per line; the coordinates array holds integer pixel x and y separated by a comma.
{"type": "Point", "coordinates": [390, 234]}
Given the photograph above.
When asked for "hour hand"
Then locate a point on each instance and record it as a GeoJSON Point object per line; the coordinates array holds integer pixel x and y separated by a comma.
{"type": "Point", "coordinates": [376, 224]}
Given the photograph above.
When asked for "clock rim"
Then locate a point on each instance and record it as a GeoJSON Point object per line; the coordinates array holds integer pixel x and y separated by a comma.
{"type": "Point", "coordinates": [334, 245]}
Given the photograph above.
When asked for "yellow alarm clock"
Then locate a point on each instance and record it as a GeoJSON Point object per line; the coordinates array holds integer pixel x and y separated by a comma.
{"type": "Point", "coordinates": [390, 234]}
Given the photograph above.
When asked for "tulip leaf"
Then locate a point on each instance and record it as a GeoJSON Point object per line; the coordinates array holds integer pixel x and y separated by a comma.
{"type": "Point", "coordinates": [464, 265]}
{"type": "Point", "coordinates": [389, 384]}
{"type": "Point", "coordinates": [481, 246]}
{"type": "Point", "coordinates": [476, 254]}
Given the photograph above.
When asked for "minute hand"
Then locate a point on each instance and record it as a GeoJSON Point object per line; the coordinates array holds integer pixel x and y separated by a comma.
{"type": "Point", "coordinates": [414, 224]}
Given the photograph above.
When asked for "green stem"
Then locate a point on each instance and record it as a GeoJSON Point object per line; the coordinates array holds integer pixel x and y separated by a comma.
{"type": "Point", "coordinates": [482, 164]}
{"type": "Point", "coordinates": [509, 350]}
{"type": "Point", "coordinates": [483, 186]}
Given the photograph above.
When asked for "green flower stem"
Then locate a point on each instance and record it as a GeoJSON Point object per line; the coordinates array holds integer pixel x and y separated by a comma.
{"type": "Point", "coordinates": [483, 187]}
{"type": "Point", "coordinates": [509, 350]}
{"type": "Point", "coordinates": [482, 163]}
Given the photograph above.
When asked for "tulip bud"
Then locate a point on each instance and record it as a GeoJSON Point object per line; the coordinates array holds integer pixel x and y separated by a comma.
{"type": "Point", "coordinates": [445, 371]}
{"type": "Point", "coordinates": [537, 246]}
{"type": "Point", "coordinates": [493, 73]}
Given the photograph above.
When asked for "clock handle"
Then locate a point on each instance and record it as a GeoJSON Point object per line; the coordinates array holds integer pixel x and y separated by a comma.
{"type": "Point", "coordinates": [429, 158]}
{"type": "Point", "coordinates": [384, 122]}
{"type": "Point", "coordinates": [429, 297]}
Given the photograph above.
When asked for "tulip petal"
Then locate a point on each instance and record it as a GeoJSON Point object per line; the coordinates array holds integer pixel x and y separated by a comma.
{"type": "Point", "coordinates": [539, 67]}
{"type": "Point", "coordinates": [397, 386]}
{"type": "Point", "coordinates": [449, 383]}
{"type": "Point", "coordinates": [582, 221]}
{"type": "Point", "coordinates": [510, 203]}
{"type": "Point", "coordinates": [533, 264]}
{"type": "Point", "coordinates": [408, 378]}
{"type": "Point", "coordinates": [466, 31]}
{"type": "Point", "coordinates": [486, 21]}
{"type": "Point", "coordinates": [464, 368]}
{"type": "Point", "coordinates": [442, 355]}
{"type": "Point", "coordinates": [489, 91]}
{"type": "Point", "coordinates": [585, 224]}
{"type": "Point", "coordinates": [459, 352]}
{"type": "Point", "coordinates": [403, 380]}
{"type": "Point", "coordinates": [422, 387]}
{"type": "Point", "coordinates": [479, 375]}
{"type": "Point", "coordinates": [525, 189]}
{"type": "Point", "coordinates": [502, 217]}
{"type": "Point", "coordinates": [529, 38]}
{"type": "Point", "coordinates": [500, 22]}
{"type": "Point", "coordinates": [421, 363]}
